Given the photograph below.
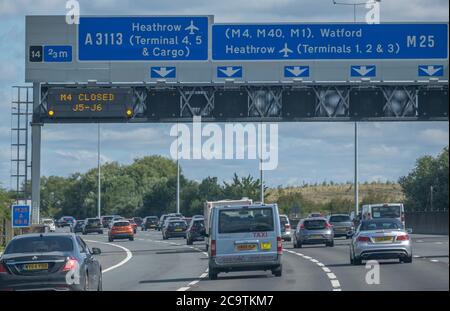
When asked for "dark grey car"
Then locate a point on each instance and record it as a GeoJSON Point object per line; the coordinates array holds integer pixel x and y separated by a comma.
{"type": "Point", "coordinates": [54, 261]}
{"type": "Point", "coordinates": [315, 230]}
{"type": "Point", "coordinates": [342, 225]}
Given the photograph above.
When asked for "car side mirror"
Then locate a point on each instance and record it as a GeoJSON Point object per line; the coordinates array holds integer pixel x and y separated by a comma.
{"type": "Point", "coordinates": [409, 230]}
{"type": "Point", "coordinates": [96, 251]}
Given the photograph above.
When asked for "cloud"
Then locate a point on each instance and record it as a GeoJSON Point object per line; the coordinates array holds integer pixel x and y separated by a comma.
{"type": "Point", "coordinates": [384, 151]}
{"type": "Point", "coordinates": [437, 137]}
{"type": "Point", "coordinates": [81, 156]}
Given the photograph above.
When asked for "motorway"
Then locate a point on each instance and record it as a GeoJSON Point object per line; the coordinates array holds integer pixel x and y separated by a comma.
{"type": "Point", "coordinates": [150, 263]}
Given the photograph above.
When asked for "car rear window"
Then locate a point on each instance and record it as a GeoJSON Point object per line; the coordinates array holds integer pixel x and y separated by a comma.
{"type": "Point", "coordinates": [381, 225]}
{"type": "Point", "coordinates": [177, 224]}
{"type": "Point", "coordinates": [315, 224]}
{"type": "Point", "coordinates": [390, 211]}
{"type": "Point", "coordinates": [340, 218]}
{"type": "Point", "coordinates": [121, 224]}
{"type": "Point", "coordinates": [246, 220]}
{"type": "Point", "coordinates": [48, 221]}
{"type": "Point", "coordinates": [94, 221]}
{"type": "Point", "coordinates": [38, 244]}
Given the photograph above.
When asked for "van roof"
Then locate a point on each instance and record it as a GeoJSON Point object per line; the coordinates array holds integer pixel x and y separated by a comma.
{"type": "Point", "coordinates": [245, 206]}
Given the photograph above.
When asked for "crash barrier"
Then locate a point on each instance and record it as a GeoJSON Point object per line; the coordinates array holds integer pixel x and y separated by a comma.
{"type": "Point", "coordinates": [432, 222]}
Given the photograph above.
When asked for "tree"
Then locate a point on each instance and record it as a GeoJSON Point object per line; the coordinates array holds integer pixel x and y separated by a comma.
{"type": "Point", "coordinates": [428, 173]}
{"type": "Point", "coordinates": [243, 187]}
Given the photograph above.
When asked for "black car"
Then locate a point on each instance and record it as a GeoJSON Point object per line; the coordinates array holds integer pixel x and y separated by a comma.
{"type": "Point", "coordinates": [195, 231]}
{"type": "Point", "coordinates": [78, 226]}
{"type": "Point", "coordinates": [138, 221]}
{"type": "Point", "coordinates": [174, 229]}
{"type": "Point", "coordinates": [149, 222]}
{"type": "Point", "coordinates": [92, 225]}
{"type": "Point", "coordinates": [50, 261]}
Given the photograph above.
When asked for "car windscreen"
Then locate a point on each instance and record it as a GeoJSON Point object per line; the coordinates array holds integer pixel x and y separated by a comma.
{"type": "Point", "coordinates": [340, 218]}
{"type": "Point", "coordinates": [47, 222]}
{"type": "Point", "coordinates": [380, 225]}
{"type": "Point", "coordinates": [40, 245]}
{"type": "Point", "coordinates": [121, 224]}
{"type": "Point", "coordinates": [314, 224]}
{"type": "Point", "coordinates": [177, 224]}
{"type": "Point", "coordinates": [246, 220]}
{"type": "Point", "coordinates": [68, 219]}
{"type": "Point", "coordinates": [94, 222]}
{"type": "Point", "coordinates": [390, 211]}
{"type": "Point", "coordinates": [198, 224]}
{"type": "Point", "coordinates": [108, 218]}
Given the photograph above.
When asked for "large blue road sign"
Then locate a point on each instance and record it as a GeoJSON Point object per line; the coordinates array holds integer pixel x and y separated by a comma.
{"type": "Point", "coordinates": [329, 41]}
{"type": "Point", "coordinates": [143, 38]}
{"type": "Point", "coordinates": [21, 216]}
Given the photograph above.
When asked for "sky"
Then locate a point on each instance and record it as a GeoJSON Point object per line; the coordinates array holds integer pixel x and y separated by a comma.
{"type": "Point", "coordinates": [308, 152]}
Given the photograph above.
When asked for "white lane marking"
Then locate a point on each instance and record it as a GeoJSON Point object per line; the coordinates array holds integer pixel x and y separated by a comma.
{"type": "Point", "coordinates": [127, 258]}
{"type": "Point", "coordinates": [335, 283]}
{"type": "Point", "coordinates": [204, 275]}
{"type": "Point", "coordinates": [331, 275]}
{"type": "Point", "coordinates": [416, 256]}
{"type": "Point", "coordinates": [333, 279]}
{"type": "Point", "coordinates": [439, 243]}
{"type": "Point", "coordinates": [337, 290]}
{"type": "Point", "coordinates": [193, 283]}
{"type": "Point", "coordinates": [182, 289]}
{"type": "Point", "coordinates": [434, 260]}
{"type": "Point", "coordinates": [419, 241]}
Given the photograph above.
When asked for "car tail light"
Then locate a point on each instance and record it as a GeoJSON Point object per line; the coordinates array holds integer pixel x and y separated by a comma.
{"type": "Point", "coordinates": [213, 248]}
{"type": "Point", "coordinates": [403, 237]}
{"type": "Point", "coordinates": [302, 226]}
{"type": "Point", "coordinates": [3, 268]}
{"type": "Point", "coordinates": [363, 239]}
{"type": "Point", "coordinates": [287, 226]}
{"type": "Point", "coordinates": [328, 225]}
{"type": "Point", "coordinates": [279, 246]}
{"type": "Point", "coordinates": [71, 264]}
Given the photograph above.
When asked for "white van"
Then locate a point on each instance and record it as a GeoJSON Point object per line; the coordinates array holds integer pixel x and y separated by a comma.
{"type": "Point", "coordinates": [245, 238]}
{"type": "Point", "coordinates": [386, 210]}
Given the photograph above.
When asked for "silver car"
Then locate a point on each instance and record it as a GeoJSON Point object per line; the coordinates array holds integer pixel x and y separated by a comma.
{"type": "Point", "coordinates": [285, 225]}
{"type": "Point", "coordinates": [342, 225]}
{"type": "Point", "coordinates": [383, 238]}
{"type": "Point", "coordinates": [314, 230]}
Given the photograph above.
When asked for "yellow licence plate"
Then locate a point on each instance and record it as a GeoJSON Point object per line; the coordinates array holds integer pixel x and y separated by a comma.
{"type": "Point", "coordinates": [266, 246]}
{"type": "Point", "coordinates": [383, 239]}
{"type": "Point", "coordinates": [36, 266]}
{"type": "Point", "coordinates": [178, 230]}
{"type": "Point", "coordinates": [246, 247]}
{"type": "Point", "coordinates": [315, 237]}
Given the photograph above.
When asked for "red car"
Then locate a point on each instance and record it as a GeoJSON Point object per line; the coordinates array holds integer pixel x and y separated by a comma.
{"type": "Point", "coordinates": [133, 225]}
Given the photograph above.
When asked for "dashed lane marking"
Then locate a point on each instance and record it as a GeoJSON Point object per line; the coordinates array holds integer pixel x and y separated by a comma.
{"type": "Point", "coordinates": [331, 276]}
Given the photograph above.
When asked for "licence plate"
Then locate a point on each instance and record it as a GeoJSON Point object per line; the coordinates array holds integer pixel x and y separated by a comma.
{"type": "Point", "coordinates": [315, 237]}
{"type": "Point", "coordinates": [246, 247]}
{"type": "Point", "coordinates": [36, 266]}
{"type": "Point", "coordinates": [178, 230]}
{"type": "Point", "coordinates": [383, 239]}
{"type": "Point", "coordinates": [266, 246]}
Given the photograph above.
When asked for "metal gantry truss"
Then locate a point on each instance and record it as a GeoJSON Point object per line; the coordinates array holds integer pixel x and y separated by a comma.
{"type": "Point", "coordinates": [265, 102]}
{"type": "Point", "coordinates": [21, 114]}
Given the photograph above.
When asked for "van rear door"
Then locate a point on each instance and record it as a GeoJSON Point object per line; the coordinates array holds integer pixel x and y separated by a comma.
{"type": "Point", "coordinates": [246, 234]}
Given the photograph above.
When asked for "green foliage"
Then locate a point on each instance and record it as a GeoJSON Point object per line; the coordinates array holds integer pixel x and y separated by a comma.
{"type": "Point", "coordinates": [429, 173]}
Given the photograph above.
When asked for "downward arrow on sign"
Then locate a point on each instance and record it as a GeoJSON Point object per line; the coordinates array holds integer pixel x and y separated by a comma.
{"type": "Point", "coordinates": [430, 70]}
{"type": "Point", "coordinates": [163, 71]}
{"type": "Point", "coordinates": [363, 70]}
{"type": "Point", "coordinates": [297, 71]}
{"type": "Point", "coordinates": [229, 71]}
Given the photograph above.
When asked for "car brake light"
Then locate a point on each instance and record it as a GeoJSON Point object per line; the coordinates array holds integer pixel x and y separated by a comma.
{"type": "Point", "coordinates": [3, 268]}
{"type": "Point", "coordinates": [213, 248]}
{"type": "Point", "coordinates": [279, 245]}
{"type": "Point", "coordinates": [363, 239]}
{"type": "Point", "coordinates": [302, 226]}
{"type": "Point", "coordinates": [71, 264]}
{"type": "Point", "coordinates": [404, 237]}
{"type": "Point", "coordinates": [287, 226]}
{"type": "Point", "coordinates": [328, 225]}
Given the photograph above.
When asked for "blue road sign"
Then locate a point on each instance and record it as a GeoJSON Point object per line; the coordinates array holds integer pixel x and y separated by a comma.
{"type": "Point", "coordinates": [163, 72]}
{"type": "Point", "coordinates": [296, 71]}
{"type": "Point", "coordinates": [329, 41]}
{"type": "Point", "coordinates": [229, 72]}
{"type": "Point", "coordinates": [431, 70]}
{"type": "Point", "coordinates": [21, 216]}
{"type": "Point", "coordinates": [143, 38]}
{"type": "Point", "coordinates": [363, 71]}
{"type": "Point", "coordinates": [57, 53]}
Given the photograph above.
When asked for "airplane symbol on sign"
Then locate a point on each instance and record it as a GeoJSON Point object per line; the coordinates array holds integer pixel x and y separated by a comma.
{"type": "Point", "coordinates": [192, 28]}
{"type": "Point", "coordinates": [286, 50]}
